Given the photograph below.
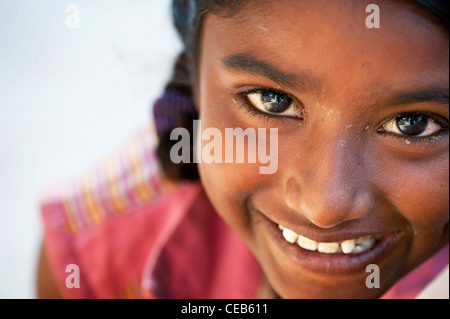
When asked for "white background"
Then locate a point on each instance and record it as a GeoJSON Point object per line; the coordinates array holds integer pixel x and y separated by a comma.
{"type": "Point", "coordinates": [68, 97]}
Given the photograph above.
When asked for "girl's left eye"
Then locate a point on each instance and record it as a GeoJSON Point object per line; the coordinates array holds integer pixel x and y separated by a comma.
{"type": "Point", "coordinates": [412, 125]}
{"type": "Point", "coordinates": [273, 102]}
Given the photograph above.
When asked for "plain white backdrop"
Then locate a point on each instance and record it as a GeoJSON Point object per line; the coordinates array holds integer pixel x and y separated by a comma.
{"type": "Point", "coordinates": [68, 98]}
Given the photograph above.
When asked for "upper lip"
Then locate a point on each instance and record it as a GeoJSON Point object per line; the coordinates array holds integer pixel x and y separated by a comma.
{"type": "Point", "coordinates": [330, 235]}
{"type": "Point", "coordinates": [383, 221]}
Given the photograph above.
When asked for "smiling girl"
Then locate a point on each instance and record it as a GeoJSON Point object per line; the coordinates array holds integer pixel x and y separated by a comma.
{"type": "Point", "coordinates": [363, 162]}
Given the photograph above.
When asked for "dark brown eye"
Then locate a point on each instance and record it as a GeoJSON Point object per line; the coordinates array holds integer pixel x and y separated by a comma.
{"type": "Point", "coordinates": [273, 102]}
{"type": "Point", "coordinates": [412, 124]}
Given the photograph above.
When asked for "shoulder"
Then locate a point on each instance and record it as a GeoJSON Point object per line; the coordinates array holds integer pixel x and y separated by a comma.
{"type": "Point", "coordinates": [438, 288]}
{"type": "Point", "coordinates": [428, 280]}
{"type": "Point", "coordinates": [118, 185]}
{"type": "Point", "coordinates": [107, 220]}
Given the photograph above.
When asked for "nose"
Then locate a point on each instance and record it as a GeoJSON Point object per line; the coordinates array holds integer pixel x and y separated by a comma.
{"type": "Point", "coordinates": [330, 186]}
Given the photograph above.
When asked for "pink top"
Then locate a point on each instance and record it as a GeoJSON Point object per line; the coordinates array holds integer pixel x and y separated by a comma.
{"type": "Point", "coordinates": [133, 234]}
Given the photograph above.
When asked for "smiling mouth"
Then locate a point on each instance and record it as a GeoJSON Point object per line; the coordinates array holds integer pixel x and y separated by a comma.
{"type": "Point", "coordinates": [348, 246]}
{"type": "Point", "coordinates": [346, 253]}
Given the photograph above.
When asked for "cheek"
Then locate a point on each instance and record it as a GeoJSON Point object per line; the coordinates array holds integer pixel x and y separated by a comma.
{"type": "Point", "coordinates": [228, 185]}
{"type": "Point", "coordinates": [419, 191]}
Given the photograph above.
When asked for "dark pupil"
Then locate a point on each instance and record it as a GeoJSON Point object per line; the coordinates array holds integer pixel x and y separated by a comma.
{"type": "Point", "coordinates": [275, 103]}
{"type": "Point", "coordinates": [412, 124]}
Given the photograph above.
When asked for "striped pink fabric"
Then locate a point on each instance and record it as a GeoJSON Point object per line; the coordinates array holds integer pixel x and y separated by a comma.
{"type": "Point", "coordinates": [121, 221]}
{"type": "Point", "coordinates": [127, 179]}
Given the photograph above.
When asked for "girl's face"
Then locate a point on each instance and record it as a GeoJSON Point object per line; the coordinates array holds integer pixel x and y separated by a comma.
{"type": "Point", "coordinates": [363, 145]}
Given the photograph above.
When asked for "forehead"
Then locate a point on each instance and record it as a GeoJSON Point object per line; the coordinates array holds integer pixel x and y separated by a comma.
{"type": "Point", "coordinates": [331, 39]}
{"type": "Point", "coordinates": [307, 18]}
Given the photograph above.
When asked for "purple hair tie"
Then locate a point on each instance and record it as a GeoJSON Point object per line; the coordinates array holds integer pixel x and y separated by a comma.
{"type": "Point", "coordinates": [169, 108]}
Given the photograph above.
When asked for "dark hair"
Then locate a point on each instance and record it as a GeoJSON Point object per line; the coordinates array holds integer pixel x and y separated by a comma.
{"type": "Point", "coordinates": [188, 19]}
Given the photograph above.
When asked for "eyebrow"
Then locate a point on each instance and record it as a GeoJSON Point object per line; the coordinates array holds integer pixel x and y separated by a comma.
{"type": "Point", "coordinates": [434, 95]}
{"type": "Point", "coordinates": [247, 63]}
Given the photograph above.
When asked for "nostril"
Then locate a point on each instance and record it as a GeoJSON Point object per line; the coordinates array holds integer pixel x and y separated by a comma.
{"type": "Point", "coordinates": [327, 206]}
{"type": "Point", "coordinates": [330, 212]}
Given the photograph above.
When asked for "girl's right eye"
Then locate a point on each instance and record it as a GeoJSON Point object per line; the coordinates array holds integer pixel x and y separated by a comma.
{"type": "Point", "coordinates": [273, 102]}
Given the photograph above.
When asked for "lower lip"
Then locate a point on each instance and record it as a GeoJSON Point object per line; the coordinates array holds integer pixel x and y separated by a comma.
{"type": "Point", "coordinates": [334, 264]}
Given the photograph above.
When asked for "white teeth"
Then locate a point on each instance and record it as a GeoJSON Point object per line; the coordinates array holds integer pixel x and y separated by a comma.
{"type": "Point", "coordinates": [350, 246]}
{"type": "Point", "coordinates": [358, 249]}
{"type": "Point", "coordinates": [361, 239]}
{"type": "Point", "coordinates": [364, 243]}
{"type": "Point", "coordinates": [328, 248]}
{"type": "Point", "coordinates": [368, 242]}
{"type": "Point", "coordinates": [289, 235]}
{"type": "Point", "coordinates": [307, 243]}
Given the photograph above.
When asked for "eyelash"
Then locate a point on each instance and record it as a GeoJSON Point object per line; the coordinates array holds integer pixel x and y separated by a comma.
{"type": "Point", "coordinates": [418, 140]}
{"type": "Point", "coordinates": [253, 111]}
